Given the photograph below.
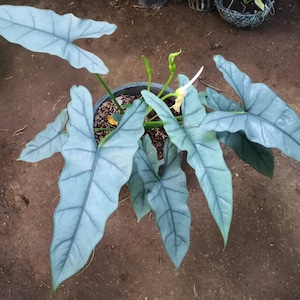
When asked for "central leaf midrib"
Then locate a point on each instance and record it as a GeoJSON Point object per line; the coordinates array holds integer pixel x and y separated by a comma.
{"type": "Point", "coordinates": [250, 115]}
{"type": "Point", "coordinates": [92, 171]}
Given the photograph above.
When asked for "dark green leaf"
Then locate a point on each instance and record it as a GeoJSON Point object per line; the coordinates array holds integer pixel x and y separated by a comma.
{"type": "Point", "coordinates": [256, 155]}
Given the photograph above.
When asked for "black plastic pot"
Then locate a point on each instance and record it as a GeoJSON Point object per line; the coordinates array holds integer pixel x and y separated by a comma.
{"type": "Point", "coordinates": [135, 88]}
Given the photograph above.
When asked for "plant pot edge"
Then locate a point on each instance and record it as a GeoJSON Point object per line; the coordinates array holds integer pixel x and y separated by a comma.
{"type": "Point", "coordinates": [138, 87]}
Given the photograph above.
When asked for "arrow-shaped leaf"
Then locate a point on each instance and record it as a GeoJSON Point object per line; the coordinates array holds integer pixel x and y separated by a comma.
{"type": "Point", "coordinates": [90, 182]}
{"type": "Point", "coordinates": [167, 196]}
{"type": "Point", "coordinates": [204, 153]}
{"type": "Point", "coordinates": [48, 141]}
{"type": "Point", "coordinates": [267, 120]}
{"type": "Point", "coordinates": [45, 31]}
{"type": "Point", "coordinates": [258, 156]}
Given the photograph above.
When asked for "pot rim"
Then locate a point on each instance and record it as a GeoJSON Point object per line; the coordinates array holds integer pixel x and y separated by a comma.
{"type": "Point", "coordinates": [125, 89]}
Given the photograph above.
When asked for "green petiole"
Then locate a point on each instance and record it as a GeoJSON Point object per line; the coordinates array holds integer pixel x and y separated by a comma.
{"type": "Point", "coordinates": [148, 70]}
{"type": "Point", "coordinates": [110, 94]}
{"type": "Point", "coordinates": [103, 129]}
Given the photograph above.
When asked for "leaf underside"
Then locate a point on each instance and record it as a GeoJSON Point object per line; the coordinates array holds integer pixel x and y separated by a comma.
{"type": "Point", "coordinates": [256, 155]}
{"type": "Point", "coordinates": [42, 30]}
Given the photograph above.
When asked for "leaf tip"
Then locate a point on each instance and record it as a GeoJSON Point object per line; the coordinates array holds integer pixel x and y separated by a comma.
{"type": "Point", "coordinates": [176, 263]}
{"type": "Point", "coordinates": [54, 286]}
{"type": "Point", "coordinates": [218, 57]}
{"type": "Point", "coordinates": [224, 245]}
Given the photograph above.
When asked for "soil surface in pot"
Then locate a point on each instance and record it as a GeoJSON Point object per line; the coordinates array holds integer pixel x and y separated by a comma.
{"type": "Point", "coordinates": [239, 6]}
{"type": "Point", "coordinates": [262, 257]}
{"type": "Point", "coordinates": [108, 108]}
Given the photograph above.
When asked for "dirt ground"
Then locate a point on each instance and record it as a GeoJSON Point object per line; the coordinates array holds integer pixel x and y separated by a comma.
{"type": "Point", "coordinates": [262, 259]}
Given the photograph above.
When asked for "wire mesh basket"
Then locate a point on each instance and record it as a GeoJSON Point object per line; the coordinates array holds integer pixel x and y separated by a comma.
{"type": "Point", "coordinates": [243, 20]}
{"type": "Point", "coordinates": [202, 5]}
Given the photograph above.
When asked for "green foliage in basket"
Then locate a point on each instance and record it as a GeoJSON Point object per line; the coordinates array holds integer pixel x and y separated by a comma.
{"type": "Point", "coordinates": [259, 3]}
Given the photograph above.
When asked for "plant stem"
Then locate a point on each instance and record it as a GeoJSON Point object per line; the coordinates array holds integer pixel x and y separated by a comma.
{"type": "Point", "coordinates": [106, 138]}
{"type": "Point", "coordinates": [148, 70]}
{"type": "Point", "coordinates": [237, 112]}
{"type": "Point", "coordinates": [166, 84]}
{"type": "Point", "coordinates": [153, 124]}
{"type": "Point", "coordinates": [157, 124]}
{"type": "Point", "coordinates": [103, 129]}
{"type": "Point", "coordinates": [110, 94]}
{"type": "Point", "coordinates": [163, 98]}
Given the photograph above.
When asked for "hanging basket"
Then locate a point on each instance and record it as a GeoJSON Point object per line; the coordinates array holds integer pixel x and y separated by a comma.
{"type": "Point", "coordinates": [243, 20]}
{"type": "Point", "coordinates": [202, 5]}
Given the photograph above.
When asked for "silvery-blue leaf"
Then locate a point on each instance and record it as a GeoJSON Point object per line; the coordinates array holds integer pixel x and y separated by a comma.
{"type": "Point", "coordinates": [204, 153]}
{"type": "Point", "coordinates": [136, 185]}
{"type": "Point", "coordinates": [267, 119]}
{"type": "Point", "coordinates": [42, 30]}
{"type": "Point", "coordinates": [258, 156]}
{"type": "Point", "coordinates": [167, 196]}
{"type": "Point", "coordinates": [48, 141]}
{"type": "Point", "coordinates": [90, 182]}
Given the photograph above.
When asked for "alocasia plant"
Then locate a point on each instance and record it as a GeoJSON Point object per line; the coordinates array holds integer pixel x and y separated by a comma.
{"type": "Point", "coordinates": [93, 174]}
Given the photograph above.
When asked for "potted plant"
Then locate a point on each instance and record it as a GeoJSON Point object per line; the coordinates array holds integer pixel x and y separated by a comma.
{"type": "Point", "coordinates": [244, 13]}
{"type": "Point", "coordinates": [195, 122]}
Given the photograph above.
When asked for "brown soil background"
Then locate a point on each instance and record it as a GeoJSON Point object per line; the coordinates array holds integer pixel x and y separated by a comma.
{"type": "Point", "coordinates": [262, 259]}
